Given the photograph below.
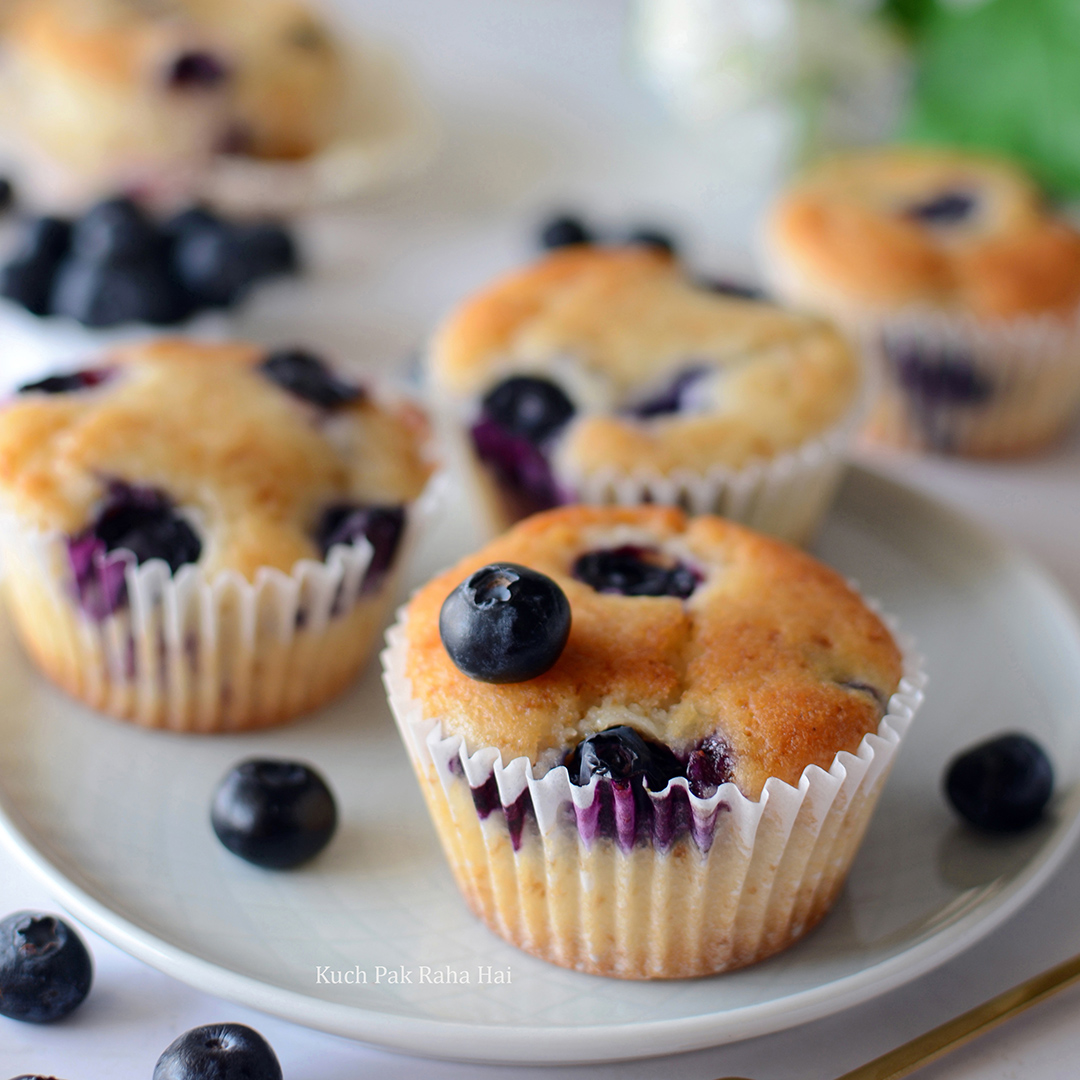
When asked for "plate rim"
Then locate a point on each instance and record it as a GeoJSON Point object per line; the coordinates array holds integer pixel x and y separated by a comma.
{"type": "Point", "coordinates": [553, 1044]}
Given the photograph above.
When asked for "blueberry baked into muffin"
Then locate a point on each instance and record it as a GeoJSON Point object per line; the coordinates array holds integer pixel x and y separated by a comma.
{"type": "Point", "coordinates": [961, 281]}
{"type": "Point", "coordinates": [202, 537]}
{"type": "Point", "coordinates": [139, 96]}
{"type": "Point", "coordinates": [650, 743]}
{"type": "Point", "coordinates": [609, 375]}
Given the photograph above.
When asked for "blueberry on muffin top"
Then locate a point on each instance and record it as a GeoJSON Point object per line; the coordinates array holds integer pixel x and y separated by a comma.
{"type": "Point", "coordinates": [220, 455]}
{"type": "Point", "coordinates": [739, 655]}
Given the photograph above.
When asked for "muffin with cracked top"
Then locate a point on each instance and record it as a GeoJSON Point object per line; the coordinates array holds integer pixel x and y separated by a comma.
{"type": "Point", "coordinates": [650, 743]}
{"type": "Point", "coordinates": [609, 375]}
{"type": "Point", "coordinates": [201, 537]}
{"type": "Point", "coordinates": [962, 283]}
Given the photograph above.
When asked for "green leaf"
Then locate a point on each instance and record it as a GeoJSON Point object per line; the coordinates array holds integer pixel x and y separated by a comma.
{"type": "Point", "coordinates": [1004, 76]}
{"type": "Point", "coordinates": [910, 15]}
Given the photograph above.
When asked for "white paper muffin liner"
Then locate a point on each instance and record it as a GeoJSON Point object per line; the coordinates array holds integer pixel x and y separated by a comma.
{"type": "Point", "coordinates": [786, 496]}
{"type": "Point", "coordinates": [955, 384]}
{"type": "Point", "coordinates": [191, 652]}
{"type": "Point", "coordinates": [726, 882]}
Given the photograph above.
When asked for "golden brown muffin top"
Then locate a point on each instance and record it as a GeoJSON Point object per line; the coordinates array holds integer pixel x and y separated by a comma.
{"type": "Point", "coordinates": [888, 228]}
{"type": "Point", "coordinates": [251, 464]}
{"type": "Point", "coordinates": [272, 66]}
{"type": "Point", "coordinates": [773, 652]}
{"type": "Point", "coordinates": [612, 326]}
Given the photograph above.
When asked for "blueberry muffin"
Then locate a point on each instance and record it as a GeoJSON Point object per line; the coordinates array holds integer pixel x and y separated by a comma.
{"type": "Point", "coordinates": [607, 375]}
{"type": "Point", "coordinates": [650, 743]}
{"type": "Point", "coordinates": [201, 537]}
{"type": "Point", "coordinates": [961, 282]}
{"type": "Point", "coordinates": [106, 95]}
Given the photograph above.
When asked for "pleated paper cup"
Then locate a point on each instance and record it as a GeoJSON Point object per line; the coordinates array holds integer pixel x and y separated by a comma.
{"type": "Point", "coordinates": [786, 496]}
{"type": "Point", "coordinates": [958, 385]}
{"type": "Point", "coordinates": [653, 885]}
{"type": "Point", "coordinates": [189, 652]}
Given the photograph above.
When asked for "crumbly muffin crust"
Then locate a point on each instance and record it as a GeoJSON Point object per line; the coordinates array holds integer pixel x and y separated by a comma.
{"type": "Point", "coordinates": [861, 232]}
{"type": "Point", "coordinates": [773, 652]}
{"type": "Point", "coordinates": [251, 464]}
{"type": "Point", "coordinates": [612, 324]}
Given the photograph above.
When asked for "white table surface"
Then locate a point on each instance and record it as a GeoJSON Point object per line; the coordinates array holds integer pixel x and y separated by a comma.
{"type": "Point", "coordinates": [540, 110]}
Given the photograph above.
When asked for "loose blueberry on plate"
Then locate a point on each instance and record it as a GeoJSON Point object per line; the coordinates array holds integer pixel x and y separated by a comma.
{"type": "Point", "coordinates": [505, 624]}
{"type": "Point", "coordinates": [219, 263]}
{"type": "Point", "coordinates": [635, 571]}
{"type": "Point", "coordinates": [218, 1052]}
{"type": "Point", "coordinates": [621, 754]}
{"type": "Point", "coordinates": [305, 375]}
{"type": "Point", "coordinates": [276, 814]}
{"type": "Point", "coordinates": [653, 238]}
{"type": "Point", "coordinates": [45, 969]}
{"type": "Point", "coordinates": [103, 294]}
{"type": "Point", "coordinates": [1002, 785]}
{"type": "Point", "coordinates": [564, 230]}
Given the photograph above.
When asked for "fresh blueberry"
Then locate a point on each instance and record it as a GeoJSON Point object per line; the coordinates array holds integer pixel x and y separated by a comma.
{"type": "Point", "coordinates": [621, 754]}
{"type": "Point", "coordinates": [108, 294]}
{"type": "Point", "coordinates": [672, 397]}
{"type": "Point", "coordinates": [381, 526]}
{"type": "Point", "coordinates": [28, 278]}
{"type": "Point", "coordinates": [219, 265]}
{"type": "Point", "coordinates": [564, 230]}
{"type": "Point", "coordinates": [653, 238]}
{"type": "Point", "coordinates": [7, 194]}
{"type": "Point", "coordinates": [46, 239]}
{"type": "Point", "coordinates": [65, 384]}
{"type": "Point", "coordinates": [635, 571]}
{"type": "Point", "coordinates": [191, 220]}
{"type": "Point", "coordinates": [29, 284]}
{"type": "Point", "coordinates": [305, 375]}
{"type": "Point", "coordinates": [115, 230]}
{"type": "Point", "coordinates": [948, 208]}
{"type": "Point", "coordinates": [1002, 785]}
{"type": "Point", "coordinates": [505, 624]}
{"type": "Point", "coordinates": [937, 375]}
{"type": "Point", "coordinates": [143, 521]}
{"type": "Point", "coordinates": [276, 814]}
{"type": "Point", "coordinates": [218, 1052]}
{"type": "Point", "coordinates": [709, 766]}
{"type": "Point", "coordinates": [45, 969]}
{"type": "Point", "coordinates": [196, 70]}
{"type": "Point", "coordinates": [741, 290]}
{"type": "Point", "coordinates": [36, 1076]}
{"type": "Point", "coordinates": [528, 406]}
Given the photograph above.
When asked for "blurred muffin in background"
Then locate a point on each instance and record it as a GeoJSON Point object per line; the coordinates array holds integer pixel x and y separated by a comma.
{"type": "Point", "coordinates": [959, 281]}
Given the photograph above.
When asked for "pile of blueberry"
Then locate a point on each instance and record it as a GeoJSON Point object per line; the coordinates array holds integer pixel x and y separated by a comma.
{"type": "Point", "coordinates": [116, 265]}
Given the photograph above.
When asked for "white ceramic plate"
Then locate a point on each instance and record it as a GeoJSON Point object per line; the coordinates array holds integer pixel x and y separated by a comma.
{"type": "Point", "coordinates": [115, 820]}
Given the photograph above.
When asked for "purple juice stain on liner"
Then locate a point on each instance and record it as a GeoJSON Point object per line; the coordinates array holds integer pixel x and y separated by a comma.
{"type": "Point", "coordinates": [520, 466]}
{"type": "Point", "coordinates": [486, 799]}
{"type": "Point", "coordinates": [938, 381]}
{"type": "Point", "coordinates": [134, 524]}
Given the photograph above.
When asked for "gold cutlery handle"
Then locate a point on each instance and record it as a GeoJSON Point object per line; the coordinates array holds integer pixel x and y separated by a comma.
{"type": "Point", "coordinates": [924, 1049]}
